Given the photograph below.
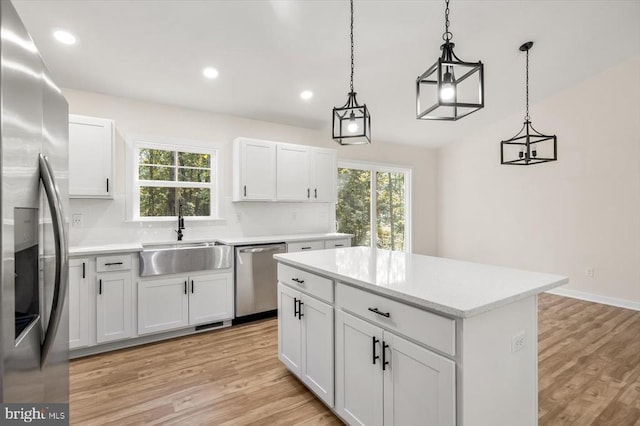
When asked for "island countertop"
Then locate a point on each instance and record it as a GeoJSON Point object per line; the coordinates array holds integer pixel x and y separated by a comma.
{"type": "Point", "coordinates": [452, 287]}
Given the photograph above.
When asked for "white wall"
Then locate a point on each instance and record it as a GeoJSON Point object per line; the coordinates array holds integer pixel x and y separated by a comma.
{"type": "Point", "coordinates": [104, 220]}
{"type": "Point", "coordinates": [563, 217]}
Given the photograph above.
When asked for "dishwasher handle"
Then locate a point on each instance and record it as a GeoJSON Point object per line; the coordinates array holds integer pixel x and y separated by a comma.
{"type": "Point", "coordinates": [261, 249]}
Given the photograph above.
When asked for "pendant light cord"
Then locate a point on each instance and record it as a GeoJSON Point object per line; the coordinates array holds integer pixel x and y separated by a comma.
{"type": "Point", "coordinates": [447, 36]}
{"type": "Point", "coordinates": [351, 83]}
{"type": "Point", "coordinates": [526, 117]}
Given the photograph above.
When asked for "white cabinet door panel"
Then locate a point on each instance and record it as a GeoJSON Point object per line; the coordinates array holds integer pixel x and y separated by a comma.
{"type": "Point", "coordinates": [257, 180]}
{"type": "Point", "coordinates": [418, 384]}
{"type": "Point", "coordinates": [210, 298]}
{"type": "Point", "coordinates": [113, 308]}
{"type": "Point", "coordinates": [91, 143]}
{"type": "Point", "coordinates": [359, 393]}
{"type": "Point", "coordinates": [317, 347]}
{"type": "Point", "coordinates": [323, 171]}
{"type": "Point", "coordinates": [289, 338]}
{"type": "Point", "coordinates": [292, 172]}
{"type": "Point", "coordinates": [78, 303]}
{"type": "Point", "coordinates": [162, 304]}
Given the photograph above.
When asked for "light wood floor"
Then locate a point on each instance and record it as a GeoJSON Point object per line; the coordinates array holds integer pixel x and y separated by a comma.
{"type": "Point", "coordinates": [589, 374]}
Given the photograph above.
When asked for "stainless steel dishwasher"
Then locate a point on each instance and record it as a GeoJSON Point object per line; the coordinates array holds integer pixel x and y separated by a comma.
{"type": "Point", "coordinates": [257, 278]}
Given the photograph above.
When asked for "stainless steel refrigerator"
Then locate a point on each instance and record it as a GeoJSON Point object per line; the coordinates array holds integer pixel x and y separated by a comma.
{"type": "Point", "coordinates": [34, 366]}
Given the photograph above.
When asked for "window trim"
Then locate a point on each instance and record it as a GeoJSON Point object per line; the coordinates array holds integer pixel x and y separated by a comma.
{"type": "Point", "coordinates": [132, 184]}
{"type": "Point", "coordinates": [408, 190]}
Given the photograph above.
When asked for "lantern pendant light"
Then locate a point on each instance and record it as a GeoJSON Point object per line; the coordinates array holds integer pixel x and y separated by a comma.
{"type": "Point", "coordinates": [528, 146]}
{"type": "Point", "coordinates": [451, 88]}
{"type": "Point", "coordinates": [351, 122]}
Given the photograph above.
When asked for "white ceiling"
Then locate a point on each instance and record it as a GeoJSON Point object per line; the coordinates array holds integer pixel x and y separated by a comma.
{"type": "Point", "coordinates": [267, 52]}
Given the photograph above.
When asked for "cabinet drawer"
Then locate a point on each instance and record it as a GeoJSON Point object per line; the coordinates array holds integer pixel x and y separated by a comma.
{"type": "Point", "coordinates": [431, 329]}
{"type": "Point", "coordinates": [113, 263]}
{"type": "Point", "coordinates": [342, 242]}
{"type": "Point", "coordinates": [317, 286]}
{"type": "Point", "coordinates": [305, 246]}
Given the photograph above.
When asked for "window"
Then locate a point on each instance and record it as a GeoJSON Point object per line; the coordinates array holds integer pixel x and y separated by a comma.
{"type": "Point", "coordinates": [165, 175]}
{"type": "Point", "coordinates": [373, 205]}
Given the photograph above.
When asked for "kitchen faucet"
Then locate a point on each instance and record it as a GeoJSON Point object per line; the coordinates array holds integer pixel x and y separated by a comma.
{"type": "Point", "coordinates": [180, 221]}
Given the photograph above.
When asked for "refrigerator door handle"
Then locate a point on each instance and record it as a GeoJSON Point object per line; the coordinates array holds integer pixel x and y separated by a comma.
{"type": "Point", "coordinates": [62, 260]}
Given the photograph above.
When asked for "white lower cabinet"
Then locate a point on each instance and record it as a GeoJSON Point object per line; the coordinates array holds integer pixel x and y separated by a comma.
{"type": "Point", "coordinates": [180, 301]}
{"type": "Point", "coordinates": [305, 340]}
{"type": "Point", "coordinates": [78, 303]}
{"type": "Point", "coordinates": [383, 379]}
{"type": "Point", "coordinates": [113, 306]}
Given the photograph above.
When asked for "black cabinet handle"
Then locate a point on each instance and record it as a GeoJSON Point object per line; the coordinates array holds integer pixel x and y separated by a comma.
{"type": "Point", "coordinates": [338, 245]}
{"type": "Point", "coordinates": [245, 190]}
{"type": "Point", "coordinates": [295, 307]}
{"type": "Point", "coordinates": [306, 248]}
{"type": "Point", "coordinates": [384, 356]}
{"type": "Point", "coordinates": [191, 286]}
{"type": "Point", "coordinates": [376, 311]}
{"type": "Point", "coordinates": [99, 286]}
{"type": "Point", "coordinates": [300, 314]}
{"type": "Point", "coordinates": [298, 280]}
{"type": "Point", "coordinates": [83, 270]}
{"type": "Point", "coordinates": [374, 342]}
{"type": "Point", "coordinates": [315, 192]}
{"type": "Point", "coordinates": [112, 263]}
{"type": "Point", "coordinates": [107, 185]}
{"type": "Point", "coordinates": [185, 287]}
{"type": "Point", "coordinates": [308, 193]}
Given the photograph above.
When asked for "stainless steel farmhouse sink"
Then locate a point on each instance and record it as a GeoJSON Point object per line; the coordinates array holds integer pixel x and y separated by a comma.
{"type": "Point", "coordinates": [162, 259]}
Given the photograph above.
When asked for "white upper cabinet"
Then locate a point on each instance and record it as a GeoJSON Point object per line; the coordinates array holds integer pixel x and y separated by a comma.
{"type": "Point", "coordinates": [323, 170]}
{"type": "Point", "coordinates": [91, 151]}
{"type": "Point", "coordinates": [275, 171]}
{"type": "Point", "coordinates": [292, 183]}
{"type": "Point", "coordinates": [254, 172]}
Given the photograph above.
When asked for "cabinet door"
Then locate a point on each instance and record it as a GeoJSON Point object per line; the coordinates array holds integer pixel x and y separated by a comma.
{"type": "Point", "coordinates": [257, 180]}
{"type": "Point", "coordinates": [419, 386]}
{"type": "Point", "coordinates": [323, 173]}
{"type": "Point", "coordinates": [292, 182]}
{"type": "Point", "coordinates": [91, 143]}
{"type": "Point", "coordinates": [78, 303]}
{"type": "Point", "coordinates": [210, 298]}
{"type": "Point", "coordinates": [113, 308]}
{"type": "Point", "coordinates": [163, 304]}
{"type": "Point", "coordinates": [289, 328]}
{"type": "Point", "coordinates": [317, 347]}
{"type": "Point", "coordinates": [358, 371]}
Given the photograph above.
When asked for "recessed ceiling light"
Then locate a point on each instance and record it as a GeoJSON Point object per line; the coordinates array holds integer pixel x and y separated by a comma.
{"type": "Point", "coordinates": [64, 37]}
{"type": "Point", "coordinates": [307, 94]}
{"type": "Point", "coordinates": [210, 72]}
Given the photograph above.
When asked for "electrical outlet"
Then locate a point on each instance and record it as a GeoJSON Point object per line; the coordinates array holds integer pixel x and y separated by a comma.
{"type": "Point", "coordinates": [76, 220]}
{"type": "Point", "coordinates": [518, 341]}
{"type": "Point", "coordinates": [589, 272]}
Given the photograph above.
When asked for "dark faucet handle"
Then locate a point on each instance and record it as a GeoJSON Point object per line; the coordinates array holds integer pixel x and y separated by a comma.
{"type": "Point", "coordinates": [181, 222]}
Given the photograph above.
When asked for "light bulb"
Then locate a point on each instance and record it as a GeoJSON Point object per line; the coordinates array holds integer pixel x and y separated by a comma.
{"type": "Point", "coordinates": [353, 126]}
{"type": "Point", "coordinates": [534, 150]}
{"type": "Point", "coordinates": [447, 89]}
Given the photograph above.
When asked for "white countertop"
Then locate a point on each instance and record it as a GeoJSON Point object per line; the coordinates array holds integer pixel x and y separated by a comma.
{"type": "Point", "coordinates": [240, 241]}
{"type": "Point", "coordinates": [452, 287]}
{"type": "Point", "coordinates": [105, 249]}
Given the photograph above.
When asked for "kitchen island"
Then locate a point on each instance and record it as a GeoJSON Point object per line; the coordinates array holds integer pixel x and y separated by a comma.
{"type": "Point", "coordinates": [415, 339]}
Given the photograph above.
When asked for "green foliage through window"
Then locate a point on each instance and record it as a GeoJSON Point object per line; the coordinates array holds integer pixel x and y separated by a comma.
{"type": "Point", "coordinates": [166, 177]}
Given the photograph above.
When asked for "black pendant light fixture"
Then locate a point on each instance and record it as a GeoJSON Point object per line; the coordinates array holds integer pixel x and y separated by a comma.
{"type": "Point", "coordinates": [451, 88]}
{"type": "Point", "coordinates": [528, 146]}
{"type": "Point", "coordinates": [351, 122]}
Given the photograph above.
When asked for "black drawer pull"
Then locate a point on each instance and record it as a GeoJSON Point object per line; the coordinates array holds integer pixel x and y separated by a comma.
{"type": "Point", "coordinates": [185, 287]}
{"type": "Point", "coordinates": [300, 314]}
{"type": "Point", "coordinates": [295, 307]}
{"type": "Point", "coordinates": [298, 280]}
{"type": "Point", "coordinates": [99, 286]}
{"type": "Point", "coordinates": [384, 356]}
{"type": "Point", "coordinates": [315, 191]}
{"type": "Point", "coordinates": [83, 270]}
{"type": "Point", "coordinates": [374, 343]}
{"type": "Point", "coordinates": [245, 190]}
{"type": "Point", "coordinates": [306, 248]}
{"type": "Point", "coordinates": [308, 193]}
{"type": "Point", "coordinates": [376, 311]}
{"type": "Point", "coordinates": [338, 245]}
{"type": "Point", "coordinates": [107, 185]}
{"type": "Point", "coordinates": [113, 263]}
{"type": "Point", "coordinates": [191, 286]}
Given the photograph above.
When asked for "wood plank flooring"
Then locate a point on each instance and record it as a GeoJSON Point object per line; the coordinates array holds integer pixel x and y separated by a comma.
{"type": "Point", "coordinates": [589, 374]}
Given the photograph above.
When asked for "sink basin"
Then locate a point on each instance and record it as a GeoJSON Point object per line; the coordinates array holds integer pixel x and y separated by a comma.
{"type": "Point", "coordinates": [176, 258]}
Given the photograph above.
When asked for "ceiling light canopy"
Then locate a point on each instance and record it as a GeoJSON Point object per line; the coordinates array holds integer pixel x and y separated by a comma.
{"type": "Point", "coordinates": [64, 37]}
{"type": "Point", "coordinates": [210, 72]}
{"type": "Point", "coordinates": [351, 122]}
{"type": "Point", "coordinates": [528, 146]}
{"type": "Point", "coordinates": [306, 95]}
{"type": "Point", "coordinates": [451, 88]}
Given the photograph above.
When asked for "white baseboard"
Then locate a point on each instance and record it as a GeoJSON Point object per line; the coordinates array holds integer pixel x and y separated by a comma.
{"type": "Point", "coordinates": [597, 298]}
